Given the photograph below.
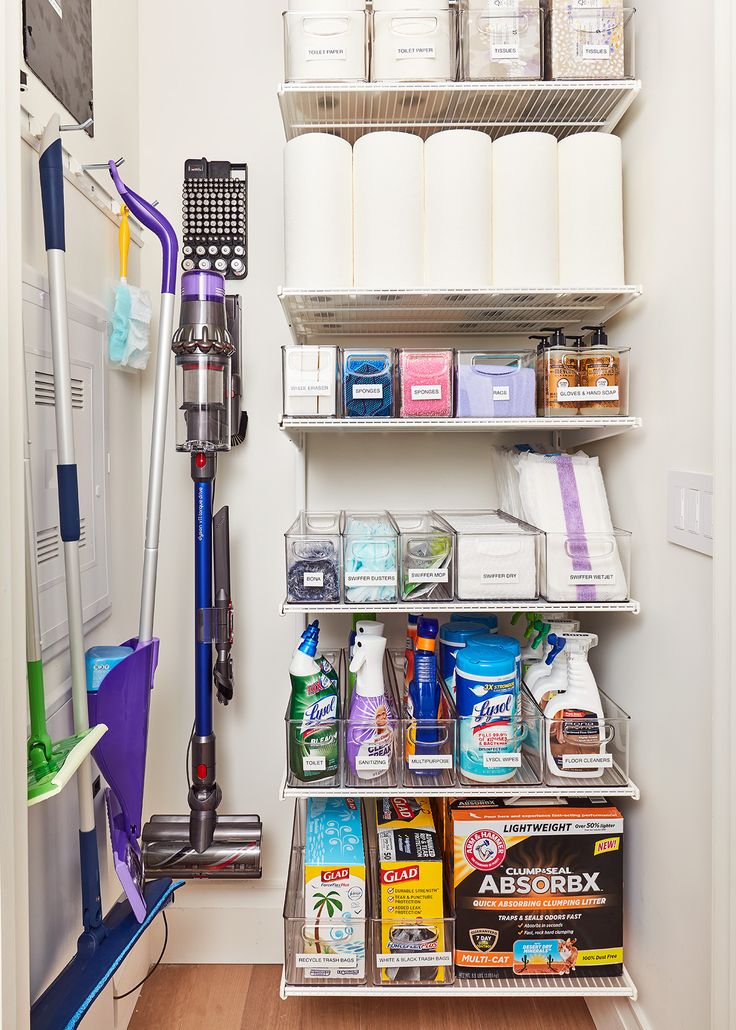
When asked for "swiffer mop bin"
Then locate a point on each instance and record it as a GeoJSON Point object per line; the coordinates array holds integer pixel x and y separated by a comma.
{"type": "Point", "coordinates": [204, 843]}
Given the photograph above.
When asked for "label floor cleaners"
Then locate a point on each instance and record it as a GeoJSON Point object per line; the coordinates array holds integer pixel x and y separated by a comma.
{"type": "Point", "coordinates": [538, 890]}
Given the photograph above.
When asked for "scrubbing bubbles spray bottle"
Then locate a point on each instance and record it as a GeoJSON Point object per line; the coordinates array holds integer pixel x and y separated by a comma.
{"type": "Point", "coordinates": [574, 726]}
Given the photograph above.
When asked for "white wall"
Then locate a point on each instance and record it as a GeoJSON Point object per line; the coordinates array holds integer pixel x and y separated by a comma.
{"type": "Point", "coordinates": [659, 665]}
{"type": "Point", "coordinates": [92, 268]}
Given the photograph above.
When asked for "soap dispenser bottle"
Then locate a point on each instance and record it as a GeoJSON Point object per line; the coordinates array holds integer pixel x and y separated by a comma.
{"type": "Point", "coordinates": [600, 373]}
{"type": "Point", "coordinates": [557, 370]}
{"type": "Point", "coordinates": [574, 727]}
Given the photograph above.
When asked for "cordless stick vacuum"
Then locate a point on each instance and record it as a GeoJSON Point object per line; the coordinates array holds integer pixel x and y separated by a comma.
{"type": "Point", "coordinates": [204, 843]}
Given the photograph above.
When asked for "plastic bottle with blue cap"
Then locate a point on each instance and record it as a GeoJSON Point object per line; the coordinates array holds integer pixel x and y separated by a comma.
{"type": "Point", "coordinates": [486, 681]}
{"type": "Point", "coordinates": [453, 637]}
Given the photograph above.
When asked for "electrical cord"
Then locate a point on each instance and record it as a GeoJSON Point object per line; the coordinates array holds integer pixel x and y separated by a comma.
{"type": "Point", "coordinates": [154, 967]}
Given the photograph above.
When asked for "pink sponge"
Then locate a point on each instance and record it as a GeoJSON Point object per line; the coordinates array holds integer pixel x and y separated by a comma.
{"type": "Point", "coordinates": [426, 383]}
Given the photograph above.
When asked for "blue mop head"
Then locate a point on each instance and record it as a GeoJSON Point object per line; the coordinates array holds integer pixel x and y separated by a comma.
{"type": "Point", "coordinates": [119, 323]}
{"type": "Point", "coordinates": [65, 1002]}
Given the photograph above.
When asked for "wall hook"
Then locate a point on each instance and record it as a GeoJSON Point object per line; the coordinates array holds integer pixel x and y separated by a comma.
{"type": "Point", "coordinates": [103, 164]}
{"type": "Point", "coordinates": [76, 128]}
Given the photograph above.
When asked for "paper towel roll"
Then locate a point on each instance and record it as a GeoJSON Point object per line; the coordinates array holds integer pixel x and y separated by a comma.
{"type": "Point", "coordinates": [388, 210]}
{"type": "Point", "coordinates": [318, 211]}
{"type": "Point", "coordinates": [524, 212]}
{"type": "Point", "coordinates": [591, 210]}
{"type": "Point", "coordinates": [457, 209]}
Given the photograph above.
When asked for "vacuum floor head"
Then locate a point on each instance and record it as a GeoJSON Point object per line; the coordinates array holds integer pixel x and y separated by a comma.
{"type": "Point", "coordinates": [234, 854]}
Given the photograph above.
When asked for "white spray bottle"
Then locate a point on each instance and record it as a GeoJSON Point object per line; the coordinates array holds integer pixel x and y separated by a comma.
{"type": "Point", "coordinates": [542, 669]}
{"type": "Point", "coordinates": [370, 731]}
{"type": "Point", "coordinates": [574, 728]}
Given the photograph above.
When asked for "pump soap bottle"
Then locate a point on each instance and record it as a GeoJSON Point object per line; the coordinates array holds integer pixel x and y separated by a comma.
{"type": "Point", "coordinates": [557, 370]}
{"type": "Point", "coordinates": [600, 370]}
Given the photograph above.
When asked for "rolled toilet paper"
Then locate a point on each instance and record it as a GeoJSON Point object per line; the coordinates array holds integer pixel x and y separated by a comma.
{"type": "Point", "coordinates": [591, 211]}
{"type": "Point", "coordinates": [318, 212]}
{"type": "Point", "coordinates": [388, 210]}
{"type": "Point", "coordinates": [524, 211]}
{"type": "Point", "coordinates": [457, 209]}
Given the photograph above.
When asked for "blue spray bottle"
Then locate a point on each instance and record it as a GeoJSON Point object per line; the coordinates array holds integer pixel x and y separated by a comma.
{"type": "Point", "coordinates": [424, 696]}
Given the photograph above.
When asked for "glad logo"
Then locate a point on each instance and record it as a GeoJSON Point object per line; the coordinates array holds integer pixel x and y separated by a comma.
{"type": "Point", "coordinates": [402, 875]}
{"type": "Point", "coordinates": [331, 875]}
{"type": "Point", "coordinates": [403, 809]}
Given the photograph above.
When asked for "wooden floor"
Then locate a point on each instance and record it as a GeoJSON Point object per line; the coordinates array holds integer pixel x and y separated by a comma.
{"type": "Point", "coordinates": [247, 997]}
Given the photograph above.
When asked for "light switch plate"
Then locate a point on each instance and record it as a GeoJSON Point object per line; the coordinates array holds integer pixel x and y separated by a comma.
{"type": "Point", "coordinates": [690, 510]}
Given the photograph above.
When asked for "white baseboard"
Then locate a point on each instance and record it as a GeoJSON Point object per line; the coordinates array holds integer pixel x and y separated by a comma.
{"type": "Point", "coordinates": [224, 923]}
{"type": "Point", "coordinates": [616, 1014]}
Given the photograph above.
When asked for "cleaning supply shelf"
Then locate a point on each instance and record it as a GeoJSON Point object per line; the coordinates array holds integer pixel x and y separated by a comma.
{"type": "Point", "coordinates": [576, 430]}
{"type": "Point", "coordinates": [352, 109]}
{"type": "Point", "coordinates": [444, 312]}
{"type": "Point", "coordinates": [534, 987]}
{"type": "Point", "coordinates": [580, 788]}
{"type": "Point", "coordinates": [431, 607]}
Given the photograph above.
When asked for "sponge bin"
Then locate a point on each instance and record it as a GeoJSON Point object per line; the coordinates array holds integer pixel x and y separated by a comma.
{"type": "Point", "coordinates": [427, 548]}
{"type": "Point", "coordinates": [314, 558]}
{"type": "Point", "coordinates": [496, 556]}
{"type": "Point", "coordinates": [319, 950]}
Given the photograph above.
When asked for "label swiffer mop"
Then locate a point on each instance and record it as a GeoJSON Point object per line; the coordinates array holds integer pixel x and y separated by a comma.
{"type": "Point", "coordinates": [538, 889]}
{"type": "Point", "coordinates": [411, 895]}
{"type": "Point", "coordinates": [334, 891]}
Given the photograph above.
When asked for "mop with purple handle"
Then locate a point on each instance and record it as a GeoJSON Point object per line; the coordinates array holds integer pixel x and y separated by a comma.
{"type": "Point", "coordinates": [120, 696]}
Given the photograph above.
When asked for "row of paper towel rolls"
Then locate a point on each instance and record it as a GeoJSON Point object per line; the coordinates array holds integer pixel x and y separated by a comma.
{"type": "Point", "coordinates": [457, 211]}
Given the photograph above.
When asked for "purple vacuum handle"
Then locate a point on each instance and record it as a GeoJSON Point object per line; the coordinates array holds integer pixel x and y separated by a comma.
{"type": "Point", "coordinates": [152, 219]}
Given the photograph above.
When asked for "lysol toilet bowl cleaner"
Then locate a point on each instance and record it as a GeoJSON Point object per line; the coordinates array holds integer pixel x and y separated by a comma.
{"type": "Point", "coordinates": [488, 706]}
{"type": "Point", "coordinates": [574, 722]}
{"type": "Point", "coordinates": [371, 722]}
{"type": "Point", "coordinates": [313, 711]}
{"type": "Point", "coordinates": [453, 637]}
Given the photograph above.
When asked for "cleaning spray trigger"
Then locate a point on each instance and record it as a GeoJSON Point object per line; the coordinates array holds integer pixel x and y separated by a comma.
{"type": "Point", "coordinates": [557, 644]}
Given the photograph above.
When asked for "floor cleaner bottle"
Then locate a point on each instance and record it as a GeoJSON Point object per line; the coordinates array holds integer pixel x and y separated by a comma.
{"type": "Point", "coordinates": [551, 648]}
{"type": "Point", "coordinates": [313, 711]}
{"type": "Point", "coordinates": [547, 679]}
{"type": "Point", "coordinates": [574, 726]}
{"type": "Point", "coordinates": [371, 722]}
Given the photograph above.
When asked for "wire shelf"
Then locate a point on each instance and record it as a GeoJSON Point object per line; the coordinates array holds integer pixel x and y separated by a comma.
{"type": "Point", "coordinates": [352, 109]}
{"type": "Point", "coordinates": [430, 607]}
{"type": "Point", "coordinates": [437, 312]}
{"type": "Point", "coordinates": [539, 987]}
{"type": "Point", "coordinates": [578, 429]}
{"type": "Point", "coordinates": [578, 787]}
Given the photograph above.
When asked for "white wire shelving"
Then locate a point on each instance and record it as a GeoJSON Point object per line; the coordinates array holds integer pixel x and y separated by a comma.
{"type": "Point", "coordinates": [508, 987]}
{"type": "Point", "coordinates": [352, 109]}
{"type": "Point", "coordinates": [608, 785]}
{"type": "Point", "coordinates": [430, 607]}
{"type": "Point", "coordinates": [574, 432]}
{"type": "Point", "coordinates": [439, 312]}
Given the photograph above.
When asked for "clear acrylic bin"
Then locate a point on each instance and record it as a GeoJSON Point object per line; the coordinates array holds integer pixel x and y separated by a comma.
{"type": "Point", "coordinates": [425, 383]}
{"type": "Point", "coordinates": [590, 381]}
{"type": "Point", "coordinates": [368, 382]}
{"type": "Point", "coordinates": [589, 42]}
{"type": "Point", "coordinates": [590, 750]}
{"type": "Point", "coordinates": [496, 556]}
{"type": "Point", "coordinates": [413, 41]}
{"type": "Point", "coordinates": [429, 746]}
{"type": "Point", "coordinates": [371, 759]}
{"type": "Point", "coordinates": [495, 385]}
{"type": "Point", "coordinates": [370, 557]}
{"type": "Point", "coordinates": [314, 558]}
{"type": "Point", "coordinates": [501, 42]}
{"type": "Point", "coordinates": [412, 952]}
{"type": "Point", "coordinates": [593, 567]}
{"type": "Point", "coordinates": [318, 950]}
{"type": "Point", "coordinates": [426, 549]}
{"type": "Point", "coordinates": [309, 381]}
{"type": "Point", "coordinates": [314, 744]}
{"type": "Point", "coordinates": [326, 41]}
{"type": "Point", "coordinates": [519, 766]}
